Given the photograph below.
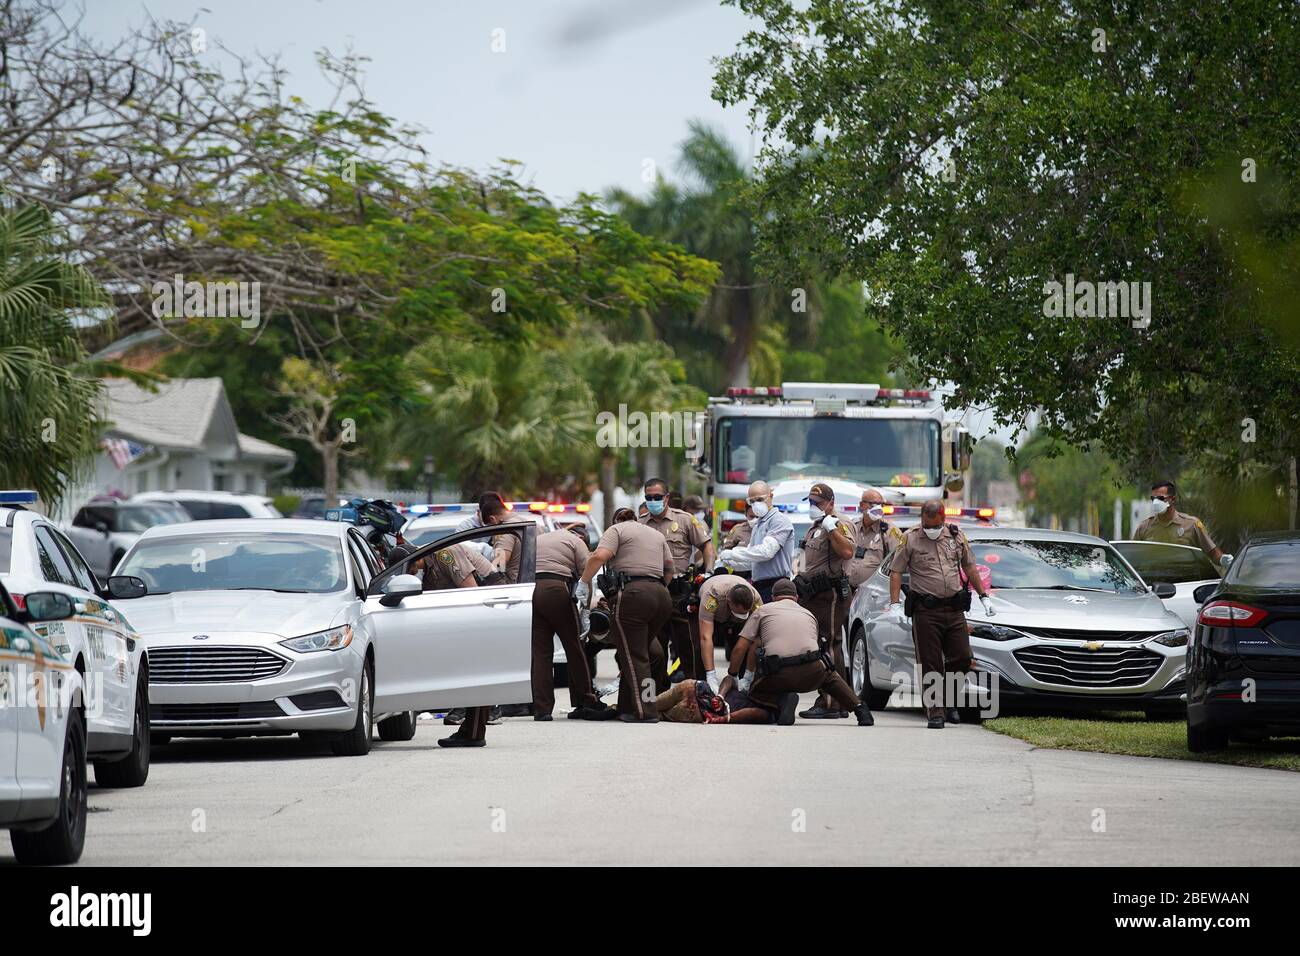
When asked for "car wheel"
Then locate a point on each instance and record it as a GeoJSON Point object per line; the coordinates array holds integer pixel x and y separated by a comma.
{"type": "Point", "coordinates": [133, 769]}
{"type": "Point", "coordinates": [561, 676]}
{"type": "Point", "coordinates": [860, 674]}
{"type": "Point", "coordinates": [61, 841]}
{"type": "Point", "coordinates": [1206, 739]}
{"type": "Point", "coordinates": [398, 727]}
{"type": "Point", "coordinates": [356, 742]}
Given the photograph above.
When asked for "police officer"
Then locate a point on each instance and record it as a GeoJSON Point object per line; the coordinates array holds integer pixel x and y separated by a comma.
{"type": "Point", "coordinates": [791, 662]}
{"type": "Point", "coordinates": [1170, 527]}
{"type": "Point", "coordinates": [491, 511]}
{"type": "Point", "coordinates": [684, 533]}
{"type": "Point", "coordinates": [828, 549]}
{"type": "Point", "coordinates": [694, 505]}
{"type": "Point", "coordinates": [639, 557]}
{"type": "Point", "coordinates": [937, 556]}
{"type": "Point", "coordinates": [875, 538]}
{"type": "Point", "coordinates": [561, 556]}
{"type": "Point", "coordinates": [726, 601]}
{"type": "Point", "coordinates": [770, 552]}
{"type": "Point", "coordinates": [741, 532]}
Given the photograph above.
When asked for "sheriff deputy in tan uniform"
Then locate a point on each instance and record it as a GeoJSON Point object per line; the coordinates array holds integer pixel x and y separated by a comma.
{"type": "Point", "coordinates": [641, 608]}
{"type": "Point", "coordinates": [726, 601]}
{"type": "Point", "coordinates": [791, 662]}
{"type": "Point", "coordinates": [828, 549]}
{"type": "Point", "coordinates": [684, 533]}
{"type": "Point", "coordinates": [876, 538]}
{"type": "Point", "coordinates": [1169, 527]}
{"type": "Point", "coordinates": [936, 555]}
{"type": "Point", "coordinates": [561, 556]}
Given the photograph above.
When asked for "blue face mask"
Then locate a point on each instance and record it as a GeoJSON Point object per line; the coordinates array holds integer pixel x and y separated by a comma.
{"type": "Point", "coordinates": [655, 507]}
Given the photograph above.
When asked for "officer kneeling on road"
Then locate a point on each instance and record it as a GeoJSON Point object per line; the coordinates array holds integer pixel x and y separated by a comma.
{"type": "Point", "coordinates": [939, 559]}
{"type": "Point", "coordinates": [789, 661]}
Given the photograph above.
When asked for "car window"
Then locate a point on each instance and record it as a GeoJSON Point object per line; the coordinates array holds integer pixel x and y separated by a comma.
{"type": "Point", "coordinates": [1268, 564]}
{"type": "Point", "coordinates": [86, 579]}
{"type": "Point", "coordinates": [246, 561]}
{"type": "Point", "coordinates": [54, 568]}
{"type": "Point", "coordinates": [227, 509]}
{"type": "Point", "coordinates": [142, 517]}
{"type": "Point", "coordinates": [6, 548]}
{"type": "Point", "coordinates": [199, 510]}
{"type": "Point", "coordinates": [1167, 563]}
{"type": "Point", "coordinates": [1053, 565]}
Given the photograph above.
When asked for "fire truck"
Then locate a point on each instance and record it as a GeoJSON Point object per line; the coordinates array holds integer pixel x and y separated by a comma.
{"type": "Point", "coordinates": [851, 436]}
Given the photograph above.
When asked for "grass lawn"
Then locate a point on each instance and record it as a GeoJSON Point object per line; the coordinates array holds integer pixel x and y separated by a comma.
{"type": "Point", "coordinates": [1131, 733]}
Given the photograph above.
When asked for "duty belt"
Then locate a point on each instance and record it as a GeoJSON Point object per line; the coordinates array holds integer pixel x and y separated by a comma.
{"type": "Point", "coordinates": [643, 577]}
{"type": "Point", "coordinates": [552, 576]}
{"type": "Point", "coordinates": [770, 665]}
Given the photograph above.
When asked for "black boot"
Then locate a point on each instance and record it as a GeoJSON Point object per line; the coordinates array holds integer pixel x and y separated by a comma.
{"type": "Point", "coordinates": [935, 722]}
{"type": "Point", "coordinates": [952, 716]}
{"type": "Point", "coordinates": [863, 713]}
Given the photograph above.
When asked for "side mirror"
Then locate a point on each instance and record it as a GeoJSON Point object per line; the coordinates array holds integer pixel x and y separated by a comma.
{"type": "Point", "coordinates": [1202, 594]}
{"type": "Point", "coordinates": [399, 587]}
{"type": "Point", "coordinates": [123, 586]}
{"type": "Point", "coordinates": [49, 606]}
{"type": "Point", "coordinates": [1163, 591]}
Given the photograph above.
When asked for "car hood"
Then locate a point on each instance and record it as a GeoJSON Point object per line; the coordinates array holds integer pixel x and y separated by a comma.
{"type": "Point", "coordinates": [1067, 610]}
{"type": "Point", "coordinates": [187, 613]}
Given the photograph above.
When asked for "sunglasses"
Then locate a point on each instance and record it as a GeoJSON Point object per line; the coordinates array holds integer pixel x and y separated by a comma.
{"type": "Point", "coordinates": [655, 497]}
{"type": "Point", "coordinates": [1165, 498]}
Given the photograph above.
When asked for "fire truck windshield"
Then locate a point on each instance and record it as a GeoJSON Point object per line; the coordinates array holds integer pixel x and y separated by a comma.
{"type": "Point", "coordinates": [877, 451]}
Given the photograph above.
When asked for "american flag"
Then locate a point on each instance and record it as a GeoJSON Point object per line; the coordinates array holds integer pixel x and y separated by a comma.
{"type": "Point", "coordinates": [121, 451]}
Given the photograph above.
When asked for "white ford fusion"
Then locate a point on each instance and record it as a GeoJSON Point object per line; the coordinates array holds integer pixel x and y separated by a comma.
{"type": "Point", "coordinates": [286, 626]}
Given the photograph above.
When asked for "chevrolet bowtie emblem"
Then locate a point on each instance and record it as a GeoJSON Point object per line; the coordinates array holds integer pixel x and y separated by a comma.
{"type": "Point", "coordinates": [1093, 645]}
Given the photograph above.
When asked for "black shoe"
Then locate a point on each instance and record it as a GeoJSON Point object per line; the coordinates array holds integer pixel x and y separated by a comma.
{"type": "Point", "coordinates": [630, 719]}
{"type": "Point", "coordinates": [934, 723]}
{"type": "Point", "coordinates": [818, 712]}
{"type": "Point", "coordinates": [516, 710]}
{"type": "Point", "coordinates": [863, 713]}
{"type": "Point", "coordinates": [494, 715]}
{"type": "Point", "coordinates": [952, 716]}
{"type": "Point", "coordinates": [454, 717]}
{"type": "Point", "coordinates": [541, 716]}
{"type": "Point", "coordinates": [785, 716]}
{"type": "Point", "coordinates": [597, 711]}
{"type": "Point", "coordinates": [456, 740]}
{"type": "Point", "coordinates": [839, 713]}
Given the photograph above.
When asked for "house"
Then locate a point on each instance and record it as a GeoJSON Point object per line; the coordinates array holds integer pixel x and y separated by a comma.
{"type": "Point", "coordinates": [182, 436]}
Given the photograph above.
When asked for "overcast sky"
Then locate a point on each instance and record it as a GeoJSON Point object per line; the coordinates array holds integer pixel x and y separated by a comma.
{"type": "Point", "coordinates": [584, 93]}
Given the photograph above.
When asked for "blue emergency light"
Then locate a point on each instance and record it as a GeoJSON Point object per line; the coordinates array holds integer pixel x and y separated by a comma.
{"type": "Point", "coordinates": [19, 497]}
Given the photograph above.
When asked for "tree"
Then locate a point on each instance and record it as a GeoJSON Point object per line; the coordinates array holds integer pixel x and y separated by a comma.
{"type": "Point", "coordinates": [50, 399]}
{"type": "Point", "coordinates": [960, 158]}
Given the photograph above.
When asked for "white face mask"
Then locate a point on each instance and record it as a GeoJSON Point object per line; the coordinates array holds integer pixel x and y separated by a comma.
{"type": "Point", "coordinates": [751, 521]}
{"type": "Point", "coordinates": [875, 512]}
{"type": "Point", "coordinates": [933, 533]}
{"type": "Point", "coordinates": [700, 515]}
{"type": "Point", "coordinates": [740, 617]}
{"type": "Point", "coordinates": [1159, 507]}
{"type": "Point", "coordinates": [759, 508]}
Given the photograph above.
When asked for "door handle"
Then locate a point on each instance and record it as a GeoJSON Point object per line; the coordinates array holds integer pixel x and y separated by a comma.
{"type": "Point", "coordinates": [503, 601]}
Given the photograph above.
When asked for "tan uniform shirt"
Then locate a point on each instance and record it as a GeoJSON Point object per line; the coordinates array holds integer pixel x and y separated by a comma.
{"type": "Point", "coordinates": [561, 552]}
{"type": "Point", "coordinates": [450, 566]}
{"type": "Point", "coordinates": [936, 565]}
{"type": "Point", "coordinates": [739, 536]}
{"type": "Point", "coordinates": [1180, 529]}
{"type": "Point", "coordinates": [637, 549]}
{"type": "Point", "coordinates": [684, 533]}
{"type": "Point", "coordinates": [713, 597]}
{"type": "Point", "coordinates": [876, 540]}
{"type": "Point", "coordinates": [782, 629]}
{"type": "Point", "coordinates": [818, 555]}
{"type": "Point", "coordinates": [511, 546]}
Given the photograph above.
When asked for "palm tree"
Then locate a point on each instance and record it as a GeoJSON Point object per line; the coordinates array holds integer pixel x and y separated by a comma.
{"type": "Point", "coordinates": [50, 411]}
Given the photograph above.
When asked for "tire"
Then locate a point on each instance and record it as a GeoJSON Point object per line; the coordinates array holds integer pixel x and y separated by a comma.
{"type": "Point", "coordinates": [62, 841]}
{"type": "Point", "coordinates": [398, 727]}
{"type": "Point", "coordinates": [356, 742]}
{"type": "Point", "coordinates": [133, 769]}
{"type": "Point", "coordinates": [860, 674]}
{"type": "Point", "coordinates": [561, 675]}
{"type": "Point", "coordinates": [1202, 740]}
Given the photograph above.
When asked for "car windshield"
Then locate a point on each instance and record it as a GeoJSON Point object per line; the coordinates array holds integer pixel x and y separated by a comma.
{"type": "Point", "coordinates": [1268, 564]}
{"type": "Point", "coordinates": [429, 533]}
{"type": "Point", "coordinates": [269, 561]}
{"type": "Point", "coordinates": [1168, 563]}
{"type": "Point", "coordinates": [1054, 565]}
{"type": "Point", "coordinates": [137, 518]}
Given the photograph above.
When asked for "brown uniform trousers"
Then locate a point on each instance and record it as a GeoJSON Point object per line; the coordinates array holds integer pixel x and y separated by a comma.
{"type": "Point", "coordinates": [681, 639]}
{"type": "Point", "coordinates": [942, 645]}
{"type": "Point", "coordinates": [474, 726]}
{"type": "Point", "coordinates": [555, 614]}
{"type": "Point", "coordinates": [831, 611]}
{"type": "Point", "coordinates": [767, 689]}
{"type": "Point", "coordinates": [639, 615]}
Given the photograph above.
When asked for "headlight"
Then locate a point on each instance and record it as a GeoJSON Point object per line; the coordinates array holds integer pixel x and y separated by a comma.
{"type": "Point", "coordinates": [1171, 638]}
{"type": "Point", "coordinates": [335, 639]}
{"type": "Point", "coordinates": [995, 632]}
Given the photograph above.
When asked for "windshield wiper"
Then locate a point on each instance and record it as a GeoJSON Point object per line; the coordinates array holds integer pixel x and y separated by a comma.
{"type": "Point", "coordinates": [276, 590]}
{"type": "Point", "coordinates": [1075, 587]}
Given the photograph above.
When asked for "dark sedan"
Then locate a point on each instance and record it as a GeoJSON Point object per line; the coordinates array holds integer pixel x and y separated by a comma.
{"type": "Point", "coordinates": [1243, 666]}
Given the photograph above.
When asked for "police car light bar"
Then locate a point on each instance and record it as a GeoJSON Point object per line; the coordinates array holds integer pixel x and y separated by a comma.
{"type": "Point", "coordinates": [949, 512]}
{"type": "Point", "coordinates": [19, 497]}
{"type": "Point", "coordinates": [834, 391]}
{"type": "Point", "coordinates": [761, 391]}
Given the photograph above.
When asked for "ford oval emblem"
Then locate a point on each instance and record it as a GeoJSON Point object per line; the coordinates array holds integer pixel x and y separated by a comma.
{"type": "Point", "coordinates": [200, 637]}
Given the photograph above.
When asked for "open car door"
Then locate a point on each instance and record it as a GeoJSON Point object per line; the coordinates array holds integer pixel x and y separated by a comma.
{"type": "Point", "coordinates": [456, 647]}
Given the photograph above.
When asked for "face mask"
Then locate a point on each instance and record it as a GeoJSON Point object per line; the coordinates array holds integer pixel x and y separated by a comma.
{"type": "Point", "coordinates": [655, 507]}
{"type": "Point", "coordinates": [759, 508]}
{"type": "Point", "coordinates": [875, 512]}
{"type": "Point", "coordinates": [700, 515]}
{"type": "Point", "coordinates": [751, 521]}
{"type": "Point", "coordinates": [1159, 507]}
{"type": "Point", "coordinates": [933, 533]}
{"type": "Point", "coordinates": [740, 617]}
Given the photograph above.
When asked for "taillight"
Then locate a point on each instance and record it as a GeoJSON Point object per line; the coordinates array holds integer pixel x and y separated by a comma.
{"type": "Point", "coordinates": [1230, 614]}
{"type": "Point", "coordinates": [20, 602]}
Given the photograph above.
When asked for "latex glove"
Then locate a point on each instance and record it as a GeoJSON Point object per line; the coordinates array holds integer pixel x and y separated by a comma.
{"type": "Point", "coordinates": [726, 557]}
{"type": "Point", "coordinates": [584, 620]}
{"type": "Point", "coordinates": [830, 522]}
{"type": "Point", "coordinates": [582, 592]}
{"type": "Point", "coordinates": [742, 685]}
{"type": "Point", "coordinates": [714, 682]}
{"type": "Point", "coordinates": [897, 608]}
{"type": "Point", "coordinates": [988, 605]}
{"type": "Point", "coordinates": [1225, 560]}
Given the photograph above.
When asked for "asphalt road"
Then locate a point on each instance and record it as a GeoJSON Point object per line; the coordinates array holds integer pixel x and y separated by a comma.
{"type": "Point", "coordinates": [572, 792]}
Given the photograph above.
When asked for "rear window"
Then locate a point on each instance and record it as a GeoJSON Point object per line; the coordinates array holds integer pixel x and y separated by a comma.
{"type": "Point", "coordinates": [6, 547]}
{"type": "Point", "coordinates": [202, 510]}
{"type": "Point", "coordinates": [1268, 564]}
{"type": "Point", "coordinates": [1167, 563]}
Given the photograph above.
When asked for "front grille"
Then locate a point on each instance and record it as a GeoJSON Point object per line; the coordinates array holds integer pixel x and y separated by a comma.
{"type": "Point", "coordinates": [212, 665]}
{"type": "Point", "coordinates": [256, 710]}
{"type": "Point", "coordinates": [1062, 634]}
{"type": "Point", "coordinates": [1080, 667]}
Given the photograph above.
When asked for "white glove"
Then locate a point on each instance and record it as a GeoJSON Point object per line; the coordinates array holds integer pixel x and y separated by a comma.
{"type": "Point", "coordinates": [726, 557]}
{"type": "Point", "coordinates": [743, 684]}
{"type": "Point", "coordinates": [1225, 560]}
{"type": "Point", "coordinates": [897, 608]}
{"type": "Point", "coordinates": [830, 522]}
{"type": "Point", "coordinates": [582, 592]}
{"type": "Point", "coordinates": [712, 678]}
{"type": "Point", "coordinates": [584, 619]}
{"type": "Point", "coordinates": [988, 605]}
